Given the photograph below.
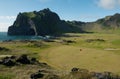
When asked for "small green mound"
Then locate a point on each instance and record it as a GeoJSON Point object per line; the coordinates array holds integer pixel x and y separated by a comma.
{"type": "Point", "coordinates": [4, 49]}
{"type": "Point", "coordinates": [7, 76]}
{"type": "Point", "coordinates": [116, 42]}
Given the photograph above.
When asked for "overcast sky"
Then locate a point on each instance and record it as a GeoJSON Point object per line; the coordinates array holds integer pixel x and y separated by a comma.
{"type": "Point", "coordinates": [81, 10]}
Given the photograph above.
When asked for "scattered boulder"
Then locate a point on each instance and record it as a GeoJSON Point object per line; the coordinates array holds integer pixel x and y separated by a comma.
{"type": "Point", "coordinates": [85, 74]}
{"type": "Point", "coordinates": [99, 75]}
{"type": "Point", "coordinates": [95, 40]}
{"type": "Point", "coordinates": [4, 49]}
{"type": "Point", "coordinates": [23, 59]}
{"type": "Point", "coordinates": [74, 69]}
{"type": "Point", "coordinates": [27, 41]}
{"type": "Point", "coordinates": [13, 57]}
{"type": "Point", "coordinates": [44, 63]}
{"type": "Point", "coordinates": [48, 40]}
{"type": "Point", "coordinates": [34, 61]}
{"type": "Point", "coordinates": [43, 71]}
{"type": "Point", "coordinates": [69, 41]}
{"type": "Point", "coordinates": [52, 76]}
{"type": "Point", "coordinates": [8, 40]}
{"type": "Point", "coordinates": [36, 75]}
{"type": "Point", "coordinates": [0, 62]}
{"type": "Point", "coordinates": [7, 61]}
{"type": "Point", "coordinates": [44, 74]}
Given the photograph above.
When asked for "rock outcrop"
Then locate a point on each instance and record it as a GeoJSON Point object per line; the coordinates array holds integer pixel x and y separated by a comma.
{"type": "Point", "coordinates": [44, 22]}
{"type": "Point", "coordinates": [21, 60]}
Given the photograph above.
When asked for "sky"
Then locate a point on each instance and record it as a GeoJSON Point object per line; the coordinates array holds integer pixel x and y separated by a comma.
{"type": "Point", "coordinates": [80, 10]}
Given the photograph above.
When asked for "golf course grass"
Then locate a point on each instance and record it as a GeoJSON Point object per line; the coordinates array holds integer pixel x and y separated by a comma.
{"type": "Point", "coordinates": [95, 52]}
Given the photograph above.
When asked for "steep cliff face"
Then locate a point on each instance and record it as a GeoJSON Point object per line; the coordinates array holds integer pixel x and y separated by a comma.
{"type": "Point", "coordinates": [21, 26]}
{"type": "Point", "coordinates": [35, 23]}
{"type": "Point", "coordinates": [44, 22]}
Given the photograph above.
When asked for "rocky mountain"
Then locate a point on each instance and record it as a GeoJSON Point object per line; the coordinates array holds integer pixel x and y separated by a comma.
{"type": "Point", "coordinates": [105, 24]}
{"type": "Point", "coordinates": [110, 21]}
{"type": "Point", "coordinates": [44, 22]}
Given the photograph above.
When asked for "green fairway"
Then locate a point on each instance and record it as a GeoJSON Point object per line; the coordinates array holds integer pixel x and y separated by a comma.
{"type": "Point", "coordinates": [95, 56]}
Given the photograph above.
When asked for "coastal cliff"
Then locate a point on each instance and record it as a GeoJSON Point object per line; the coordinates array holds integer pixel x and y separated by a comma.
{"type": "Point", "coordinates": [43, 22]}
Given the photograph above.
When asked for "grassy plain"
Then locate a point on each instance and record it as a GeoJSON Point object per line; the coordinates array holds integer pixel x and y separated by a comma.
{"type": "Point", "coordinates": [94, 55]}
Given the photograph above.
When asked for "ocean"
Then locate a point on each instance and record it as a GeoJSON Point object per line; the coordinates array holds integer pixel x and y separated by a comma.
{"type": "Point", "coordinates": [4, 36]}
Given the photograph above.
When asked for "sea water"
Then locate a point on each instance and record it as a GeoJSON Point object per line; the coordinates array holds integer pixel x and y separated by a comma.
{"type": "Point", "coordinates": [4, 36]}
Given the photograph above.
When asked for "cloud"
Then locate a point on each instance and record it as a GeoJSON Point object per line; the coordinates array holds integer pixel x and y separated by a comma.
{"type": "Point", "coordinates": [7, 17]}
{"type": "Point", "coordinates": [108, 4]}
{"type": "Point", "coordinates": [4, 27]}
{"type": "Point", "coordinates": [5, 22]}
{"type": "Point", "coordinates": [88, 17]}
